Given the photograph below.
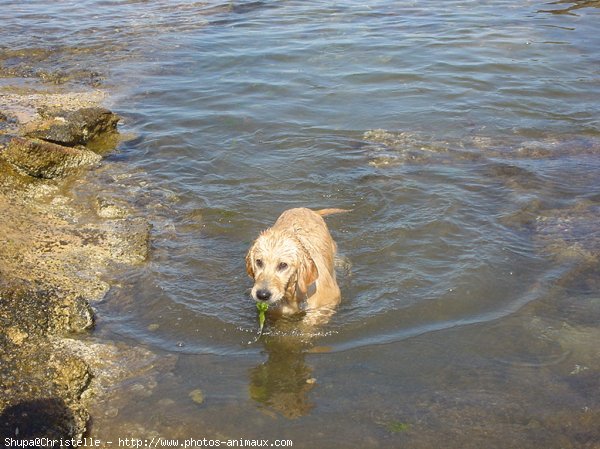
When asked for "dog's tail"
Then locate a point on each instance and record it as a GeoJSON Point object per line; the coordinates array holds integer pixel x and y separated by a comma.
{"type": "Point", "coordinates": [324, 212]}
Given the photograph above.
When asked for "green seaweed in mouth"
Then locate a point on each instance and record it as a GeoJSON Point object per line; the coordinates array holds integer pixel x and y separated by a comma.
{"type": "Point", "coordinates": [262, 308]}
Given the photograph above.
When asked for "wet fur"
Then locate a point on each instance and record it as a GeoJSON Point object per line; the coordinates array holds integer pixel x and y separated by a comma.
{"type": "Point", "coordinates": [294, 261]}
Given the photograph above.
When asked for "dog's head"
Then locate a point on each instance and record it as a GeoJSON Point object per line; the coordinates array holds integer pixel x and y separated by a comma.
{"type": "Point", "coordinates": [279, 265]}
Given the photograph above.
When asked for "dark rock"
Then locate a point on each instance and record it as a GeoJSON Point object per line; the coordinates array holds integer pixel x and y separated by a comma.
{"type": "Point", "coordinates": [27, 311]}
{"type": "Point", "coordinates": [42, 388]}
{"type": "Point", "coordinates": [41, 384]}
{"type": "Point", "coordinates": [72, 128]}
{"type": "Point", "coordinates": [24, 314]}
{"type": "Point", "coordinates": [43, 159]}
{"type": "Point", "coordinates": [37, 418]}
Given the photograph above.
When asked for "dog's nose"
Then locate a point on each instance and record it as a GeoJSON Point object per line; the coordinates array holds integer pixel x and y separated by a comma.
{"type": "Point", "coordinates": [263, 294]}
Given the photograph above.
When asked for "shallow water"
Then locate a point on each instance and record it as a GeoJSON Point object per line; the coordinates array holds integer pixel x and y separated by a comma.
{"type": "Point", "coordinates": [464, 136]}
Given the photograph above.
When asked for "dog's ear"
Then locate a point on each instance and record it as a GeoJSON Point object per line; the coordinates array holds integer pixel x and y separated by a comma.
{"type": "Point", "coordinates": [249, 267]}
{"type": "Point", "coordinates": [307, 273]}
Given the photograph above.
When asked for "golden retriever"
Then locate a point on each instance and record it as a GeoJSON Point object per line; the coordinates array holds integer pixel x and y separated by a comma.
{"type": "Point", "coordinates": [292, 264]}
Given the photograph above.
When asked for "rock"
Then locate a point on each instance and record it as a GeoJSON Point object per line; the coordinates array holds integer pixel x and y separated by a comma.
{"type": "Point", "coordinates": [72, 128]}
{"type": "Point", "coordinates": [28, 311]}
{"type": "Point", "coordinates": [70, 373]}
{"type": "Point", "coordinates": [42, 159]}
{"type": "Point", "coordinates": [41, 388]}
{"type": "Point", "coordinates": [7, 124]}
{"type": "Point", "coordinates": [108, 208]}
{"type": "Point", "coordinates": [54, 254]}
{"type": "Point", "coordinates": [197, 396]}
{"type": "Point", "coordinates": [129, 240]}
{"type": "Point", "coordinates": [41, 418]}
{"type": "Point", "coordinates": [77, 315]}
{"type": "Point", "coordinates": [16, 336]}
{"type": "Point", "coordinates": [570, 234]}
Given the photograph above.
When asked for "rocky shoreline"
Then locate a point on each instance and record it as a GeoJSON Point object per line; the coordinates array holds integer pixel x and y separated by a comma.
{"type": "Point", "coordinates": [55, 257]}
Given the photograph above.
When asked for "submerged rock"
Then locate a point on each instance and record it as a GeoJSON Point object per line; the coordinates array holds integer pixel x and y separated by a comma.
{"type": "Point", "coordinates": [197, 396]}
{"type": "Point", "coordinates": [43, 159]}
{"type": "Point", "coordinates": [129, 240]}
{"type": "Point", "coordinates": [110, 208]}
{"type": "Point", "coordinates": [570, 234]}
{"type": "Point", "coordinates": [388, 149]}
{"type": "Point", "coordinates": [72, 128]}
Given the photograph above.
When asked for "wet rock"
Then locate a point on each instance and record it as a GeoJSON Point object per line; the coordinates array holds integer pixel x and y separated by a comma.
{"type": "Point", "coordinates": [197, 396]}
{"type": "Point", "coordinates": [15, 335]}
{"type": "Point", "coordinates": [3, 121]}
{"type": "Point", "coordinates": [392, 139]}
{"type": "Point", "coordinates": [515, 177]}
{"type": "Point", "coordinates": [116, 368]}
{"type": "Point", "coordinates": [24, 104]}
{"type": "Point", "coordinates": [108, 208]}
{"type": "Point", "coordinates": [41, 388]}
{"type": "Point", "coordinates": [70, 373]}
{"type": "Point", "coordinates": [130, 240]}
{"type": "Point", "coordinates": [77, 315]}
{"type": "Point", "coordinates": [43, 159]}
{"type": "Point", "coordinates": [570, 234]}
{"type": "Point", "coordinates": [54, 252]}
{"type": "Point", "coordinates": [537, 150]}
{"type": "Point", "coordinates": [388, 149]}
{"type": "Point", "coordinates": [38, 418]}
{"type": "Point", "coordinates": [27, 311]}
{"type": "Point", "coordinates": [524, 217]}
{"type": "Point", "coordinates": [66, 250]}
{"type": "Point", "coordinates": [72, 128]}
{"type": "Point", "coordinates": [7, 124]}
{"type": "Point", "coordinates": [24, 313]}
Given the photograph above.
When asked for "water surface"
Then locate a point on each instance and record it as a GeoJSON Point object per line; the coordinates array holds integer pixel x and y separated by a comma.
{"type": "Point", "coordinates": [463, 135]}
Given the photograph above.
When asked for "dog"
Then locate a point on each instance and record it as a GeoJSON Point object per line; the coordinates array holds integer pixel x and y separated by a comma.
{"type": "Point", "coordinates": [292, 265]}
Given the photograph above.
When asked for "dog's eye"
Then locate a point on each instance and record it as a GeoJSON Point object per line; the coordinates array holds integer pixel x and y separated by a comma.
{"type": "Point", "coordinates": [259, 263]}
{"type": "Point", "coordinates": [282, 266]}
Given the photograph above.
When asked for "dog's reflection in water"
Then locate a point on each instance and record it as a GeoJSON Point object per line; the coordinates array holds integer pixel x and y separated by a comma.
{"type": "Point", "coordinates": [282, 383]}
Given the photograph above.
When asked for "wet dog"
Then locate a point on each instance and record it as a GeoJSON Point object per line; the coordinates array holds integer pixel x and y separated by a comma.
{"type": "Point", "coordinates": [292, 264]}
